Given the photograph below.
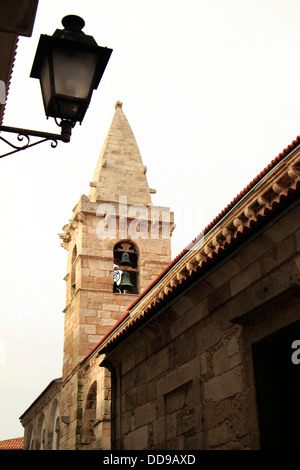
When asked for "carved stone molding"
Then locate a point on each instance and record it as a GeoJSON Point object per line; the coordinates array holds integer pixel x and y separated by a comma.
{"type": "Point", "coordinates": [42, 401]}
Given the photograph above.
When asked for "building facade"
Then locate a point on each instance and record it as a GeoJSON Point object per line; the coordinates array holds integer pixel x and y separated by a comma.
{"type": "Point", "coordinates": [117, 243]}
{"type": "Point", "coordinates": [204, 351]}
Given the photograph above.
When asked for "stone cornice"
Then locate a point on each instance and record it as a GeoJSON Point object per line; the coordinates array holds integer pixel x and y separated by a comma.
{"type": "Point", "coordinates": [95, 291]}
{"type": "Point", "coordinates": [86, 207]}
{"type": "Point", "coordinates": [51, 392]}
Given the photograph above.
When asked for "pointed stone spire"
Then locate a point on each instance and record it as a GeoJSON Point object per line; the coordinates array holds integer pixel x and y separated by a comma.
{"type": "Point", "coordinates": [120, 170]}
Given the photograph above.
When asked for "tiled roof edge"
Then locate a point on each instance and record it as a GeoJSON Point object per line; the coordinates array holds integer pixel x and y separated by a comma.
{"type": "Point", "coordinates": [214, 222]}
{"type": "Point", "coordinates": [10, 78]}
{"type": "Point", "coordinates": [205, 267]}
{"type": "Point", "coordinates": [251, 185]}
{"type": "Point", "coordinates": [54, 381]}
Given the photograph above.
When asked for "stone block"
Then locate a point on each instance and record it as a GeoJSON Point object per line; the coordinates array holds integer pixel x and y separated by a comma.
{"type": "Point", "coordinates": [156, 364]}
{"type": "Point", "coordinates": [223, 386]}
{"type": "Point", "coordinates": [159, 431]}
{"type": "Point", "coordinates": [245, 278]}
{"type": "Point", "coordinates": [197, 313]}
{"type": "Point", "coordinates": [140, 354]}
{"type": "Point", "coordinates": [232, 346]}
{"type": "Point", "coordinates": [175, 400]}
{"type": "Point", "coordinates": [186, 423]}
{"type": "Point", "coordinates": [220, 361]}
{"type": "Point", "coordinates": [111, 307]}
{"type": "Point", "coordinates": [235, 360]}
{"type": "Point", "coordinates": [183, 348]}
{"type": "Point", "coordinates": [87, 329]}
{"type": "Point", "coordinates": [188, 371]}
{"type": "Point", "coordinates": [254, 251]}
{"type": "Point", "coordinates": [166, 384]}
{"type": "Point", "coordinates": [208, 336]}
{"type": "Point", "coordinates": [171, 426]}
{"type": "Point", "coordinates": [179, 377]}
{"type": "Point", "coordinates": [146, 393]}
{"type": "Point", "coordinates": [137, 439]}
{"type": "Point", "coordinates": [218, 436]}
{"type": "Point", "coordinates": [223, 274]}
{"type": "Point", "coordinates": [203, 363]}
{"type": "Point", "coordinates": [128, 364]}
{"type": "Point", "coordinates": [178, 326]}
{"type": "Point", "coordinates": [284, 227]}
{"type": "Point", "coordinates": [219, 296]}
{"type": "Point", "coordinates": [145, 414]}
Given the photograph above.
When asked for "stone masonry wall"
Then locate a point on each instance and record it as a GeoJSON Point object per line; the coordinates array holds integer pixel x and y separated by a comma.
{"type": "Point", "coordinates": [186, 380]}
{"type": "Point", "coordinates": [69, 409]}
{"type": "Point", "coordinates": [92, 311]}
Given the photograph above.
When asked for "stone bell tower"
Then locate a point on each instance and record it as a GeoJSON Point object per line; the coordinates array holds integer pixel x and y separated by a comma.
{"type": "Point", "coordinates": [117, 244]}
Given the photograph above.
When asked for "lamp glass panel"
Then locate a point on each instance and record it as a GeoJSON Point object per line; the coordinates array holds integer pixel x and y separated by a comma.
{"type": "Point", "coordinates": [45, 82]}
{"type": "Point", "coordinates": [73, 72]}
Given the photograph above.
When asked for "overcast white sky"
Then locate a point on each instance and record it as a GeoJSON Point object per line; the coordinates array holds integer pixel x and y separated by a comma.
{"type": "Point", "coordinates": [211, 89]}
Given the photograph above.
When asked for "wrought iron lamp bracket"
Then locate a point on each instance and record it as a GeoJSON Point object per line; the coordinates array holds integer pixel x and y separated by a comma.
{"type": "Point", "coordinates": [65, 136]}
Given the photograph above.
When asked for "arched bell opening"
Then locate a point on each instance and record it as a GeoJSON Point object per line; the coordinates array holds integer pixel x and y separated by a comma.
{"type": "Point", "coordinates": [125, 268]}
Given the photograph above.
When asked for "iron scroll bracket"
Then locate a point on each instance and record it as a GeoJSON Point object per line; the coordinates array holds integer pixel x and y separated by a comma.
{"type": "Point", "coordinates": [65, 136]}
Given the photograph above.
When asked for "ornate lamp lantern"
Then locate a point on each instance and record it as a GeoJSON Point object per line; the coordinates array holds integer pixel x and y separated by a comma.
{"type": "Point", "coordinates": [69, 66]}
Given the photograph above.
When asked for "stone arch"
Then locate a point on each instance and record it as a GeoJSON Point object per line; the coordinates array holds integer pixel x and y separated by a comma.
{"type": "Point", "coordinates": [54, 426]}
{"type": "Point", "coordinates": [89, 416]}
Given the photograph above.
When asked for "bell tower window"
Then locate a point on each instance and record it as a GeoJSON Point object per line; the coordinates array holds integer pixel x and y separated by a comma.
{"type": "Point", "coordinates": [73, 273]}
{"type": "Point", "coordinates": [125, 268]}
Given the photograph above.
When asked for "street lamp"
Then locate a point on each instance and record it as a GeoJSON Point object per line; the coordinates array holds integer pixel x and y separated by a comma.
{"type": "Point", "coordinates": [69, 66]}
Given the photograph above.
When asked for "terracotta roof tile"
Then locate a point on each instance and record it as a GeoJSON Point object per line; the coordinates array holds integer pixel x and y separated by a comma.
{"type": "Point", "coordinates": [9, 79]}
{"type": "Point", "coordinates": [12, 444]}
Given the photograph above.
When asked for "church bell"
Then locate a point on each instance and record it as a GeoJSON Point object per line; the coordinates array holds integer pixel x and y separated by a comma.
{"type": "Point", "coordinates": [125, 281]}
{"type": "Point", "coordinates": [125, 261]}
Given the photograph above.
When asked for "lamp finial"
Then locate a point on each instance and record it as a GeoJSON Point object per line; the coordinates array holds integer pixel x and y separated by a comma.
{"type": "Point", "coordinates": [73, 23]}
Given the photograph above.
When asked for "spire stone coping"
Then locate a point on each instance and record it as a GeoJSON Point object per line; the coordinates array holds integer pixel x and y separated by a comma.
{"type": "Point", "coordinates": [120, 170]}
